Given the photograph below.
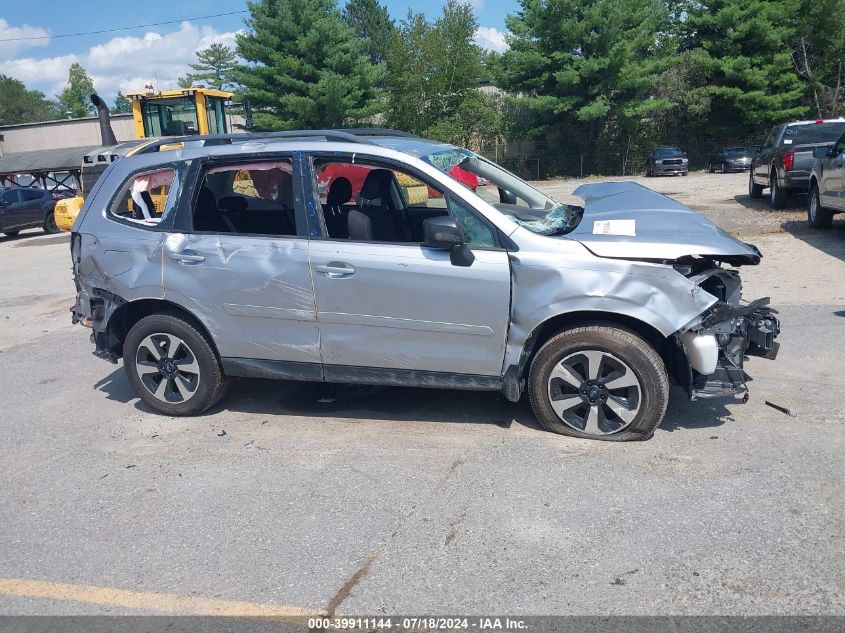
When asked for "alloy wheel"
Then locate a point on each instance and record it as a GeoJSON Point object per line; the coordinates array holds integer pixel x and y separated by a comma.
{"type": "Point", "coordinates": [594, 392]}
{"type": "Point", "coordinates": [167, 367]}
{"type": "Point", "coordinates": [814, 206]}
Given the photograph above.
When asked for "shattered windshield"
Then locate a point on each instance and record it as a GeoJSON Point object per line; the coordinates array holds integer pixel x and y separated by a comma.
{"type": "Point", "coordinates": [511, 195]}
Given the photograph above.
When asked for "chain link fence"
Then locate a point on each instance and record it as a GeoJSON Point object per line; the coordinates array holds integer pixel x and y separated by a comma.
{"type": "Point", "coordinates": [574, 155]}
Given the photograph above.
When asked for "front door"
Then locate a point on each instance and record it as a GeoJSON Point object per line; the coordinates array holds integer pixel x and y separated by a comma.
{"type": "Point", "coordinates": [240, 264]}
{"type": "Point", "coordinates": [11, 214]}
{"type": "Point", "coordinates": [385, 300]}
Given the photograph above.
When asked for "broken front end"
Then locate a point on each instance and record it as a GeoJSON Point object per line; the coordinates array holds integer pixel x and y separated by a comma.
{"type": "Point", "coordinates": [715, 344]}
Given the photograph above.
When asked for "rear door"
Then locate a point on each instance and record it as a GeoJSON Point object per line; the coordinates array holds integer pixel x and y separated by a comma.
{"type": "Point", "coordinates": [388, 302]}
{"type": "Point", "coordinates": [238, 259]}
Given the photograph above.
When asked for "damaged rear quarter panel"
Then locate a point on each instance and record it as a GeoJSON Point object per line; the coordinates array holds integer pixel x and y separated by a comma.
{"type": "Point", "coordinates": [554, 277]}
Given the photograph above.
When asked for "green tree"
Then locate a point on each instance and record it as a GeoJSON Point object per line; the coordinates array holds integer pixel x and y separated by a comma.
{"type": "Point", "coordinates": [122, 105]}
{"type": "Point", "coordinates": [433, 71]}
{"type": "Point", "coordinates": [748, 45]}
{"type": "Point", "coordinates": [213, 68]}
{"type": "Point", "coordinates": [305, 67]}
{"type": "Point", "coordinates": [371, 22]}
{"type": "Point", "coordinates": [75, 99]}
{"type": "Point", "coordinates": [585, 64]}
{"type": "Point", "coordinates": [19, 105]}
{"type": "Point", "coordinates": [819, 55]}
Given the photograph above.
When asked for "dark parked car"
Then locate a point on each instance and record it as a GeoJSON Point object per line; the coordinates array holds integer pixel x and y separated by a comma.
{"type": "Point", "coordinates": [667, 160]}
{"type": "Point", "coordinates": [786, 159]}
{"type": "Point", "coordinates": [727, 159]}
{"type": "Point", "coordinates": [26, 208]}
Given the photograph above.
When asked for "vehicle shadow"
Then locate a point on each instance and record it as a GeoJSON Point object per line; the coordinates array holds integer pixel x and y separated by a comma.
{"type": "Point", "coordinates": [683, 413]}
{"type": "Point", "coordinates": [797, 203]}
{"type": "Point", "coordinates": [829, 241]}
{"type": "Point", "coordinates": [363, 403]}
{"type": "Point", "coordinates": [355, 403]}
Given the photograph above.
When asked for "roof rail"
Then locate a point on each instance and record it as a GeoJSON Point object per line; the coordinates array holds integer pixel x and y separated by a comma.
{"type": "Point", "coordinates": [377, 131]}
{"type": "Point", "coordinates": [351, 135]}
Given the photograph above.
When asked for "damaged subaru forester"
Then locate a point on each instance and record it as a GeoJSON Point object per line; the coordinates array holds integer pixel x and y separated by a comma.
{"type": "Point", "coordinates": [377, 257]}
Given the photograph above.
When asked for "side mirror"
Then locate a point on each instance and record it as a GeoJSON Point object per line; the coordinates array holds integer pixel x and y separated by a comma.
{"type": "Point", "coordinates": [821, 152]}
{"type": "Point", "coordinates": [444, 233]}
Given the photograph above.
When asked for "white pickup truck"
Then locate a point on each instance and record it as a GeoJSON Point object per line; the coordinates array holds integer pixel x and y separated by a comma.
{"type": "Point", "coordinates": [827, 185]}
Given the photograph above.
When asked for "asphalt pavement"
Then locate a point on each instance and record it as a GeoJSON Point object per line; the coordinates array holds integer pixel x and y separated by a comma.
{"type": "Point", "coordinates": [304, 498]}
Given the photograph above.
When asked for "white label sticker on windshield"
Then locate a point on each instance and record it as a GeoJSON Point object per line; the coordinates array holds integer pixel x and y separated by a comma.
{"type": "Point", "coordinates": [614, 227]}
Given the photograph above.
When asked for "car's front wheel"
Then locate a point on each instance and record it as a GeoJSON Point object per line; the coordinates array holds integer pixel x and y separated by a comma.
{"type": "Point", "coordinates": [172, 366]}
{"type": "Point", "coordinates": [599, 382]}
{"type": "Point", "coordinates": [818, 217]}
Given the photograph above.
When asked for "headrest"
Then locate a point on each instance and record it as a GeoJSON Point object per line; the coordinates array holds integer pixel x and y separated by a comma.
{"type": "Point", "coordinates": [340, 192]}
{"type": "Point", "coordinates": [377, 185]}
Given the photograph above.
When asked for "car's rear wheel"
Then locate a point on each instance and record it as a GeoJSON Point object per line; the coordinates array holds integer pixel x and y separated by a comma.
{"type": "Point", "coordinates": [710, 167]}
{"type": "Point", "coordinates": [818, 217]}
{"type": "Point", "coordinates": [10, 233]}
{"type": "Point", "coordinates": [599, 382]}
{"type": "Point", "coordinates": [778, 196]}
{"type": "Point", "coordinates": [172, 366]}
{"type": "Point", "coordinates": [49, 225]}
{"type": "Point", "coordinates": [723, 168]}
{"type": "Point", "coordinates": [755, 191]}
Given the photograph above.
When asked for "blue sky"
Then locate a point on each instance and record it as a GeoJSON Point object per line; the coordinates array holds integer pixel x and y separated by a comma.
{"type": "Point", "coordinates": [125, 60]}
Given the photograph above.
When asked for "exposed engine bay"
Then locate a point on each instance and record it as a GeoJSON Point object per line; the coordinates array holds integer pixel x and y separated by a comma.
{"type": "Point", "coordinates": [717, 342]}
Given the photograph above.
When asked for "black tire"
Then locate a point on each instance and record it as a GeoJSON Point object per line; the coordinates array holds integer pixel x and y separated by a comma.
{"type": "Point", "coordinates": [723, 169]}
{"type": "Point", "coordinates": [778, 196]}
{"type": "Point", "coordinates": [686, 173]}
{"type": "Point", "coordinates": [648, 173]}
{"type": "Point", "coordinates": [49, 225]}
{"type": "Point", "coordinates": [10, 233]}
{"type": "Point", "coordinates": [755, 191]}
{"type": "Point", "coordinates": [211, 382]}
{"type": "Point", "coordinates": [818, 217]}
{"type": "Point", "coordinates": [622, 345]}
{"type": "Point", "coordinates": [710, 168]}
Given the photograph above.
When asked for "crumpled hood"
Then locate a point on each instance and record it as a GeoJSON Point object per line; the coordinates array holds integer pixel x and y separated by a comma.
{"type": "Point", "coordinates": [625, 220]}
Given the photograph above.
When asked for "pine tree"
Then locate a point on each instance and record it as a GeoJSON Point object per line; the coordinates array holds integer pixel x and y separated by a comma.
{"type": "Point", "coordinates": [371, 22]}
{"type": "Point", "coordinates": [121, 105]}
{"type": "Point", "coordinates": [583, 61]}
{"type": "Point", "coordinates": [305, 67]}
{"type": "Point", "coordinates": [213, 68]}
{"type": "Point", "coordinates": [75, 99]}
{"type": "Point", "coordinates": [749, 45]}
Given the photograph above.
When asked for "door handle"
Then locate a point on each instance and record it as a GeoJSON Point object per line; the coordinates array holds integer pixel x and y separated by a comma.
{"type": "Point", "coordinates": [335, 269]}
{"type": "Point", "coordinates": [187, 257]}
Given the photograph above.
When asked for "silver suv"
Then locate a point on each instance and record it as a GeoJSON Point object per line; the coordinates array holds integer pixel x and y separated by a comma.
{"type": "Point", "coordinates": [376, 257]}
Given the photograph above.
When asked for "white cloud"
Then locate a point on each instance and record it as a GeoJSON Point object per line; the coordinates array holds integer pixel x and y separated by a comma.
{"type": "Point", "coordinates": [8, 50]}
{"type": "Point", "coordinates": [124, 63]}
{"type": "Point", "coordinates": [491, 38]}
